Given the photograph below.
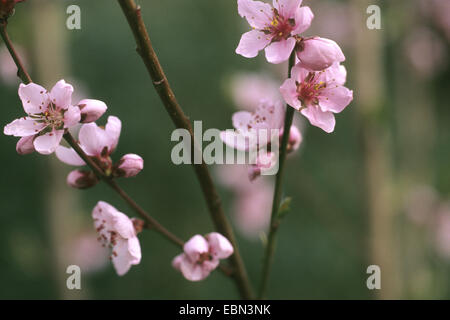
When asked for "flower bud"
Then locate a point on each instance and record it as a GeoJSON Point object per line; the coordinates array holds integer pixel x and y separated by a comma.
{"type": "Point", "coordinates": [7, 8]}
{"type": "Point", "coordinates": [91, 110]}
{"type": "Point", "coordinates": [25, 145]}
{"type": "Point", "coordinates": [129, 166]}
{"type": "Point", "coordinates": [295, 138]}
{"type": "Point", "coordinates": [317, 54]}
{"type": "Point", "coordinates": [81, 179]}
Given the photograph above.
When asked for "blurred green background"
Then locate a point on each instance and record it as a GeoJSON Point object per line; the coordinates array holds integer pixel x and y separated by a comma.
{"type": "Point", "coordinates": [353, 190]}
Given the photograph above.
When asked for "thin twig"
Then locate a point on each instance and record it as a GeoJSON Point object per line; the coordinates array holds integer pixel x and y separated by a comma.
{"type": "Point", "coordinates": [274, 220]}
{"type": "Point", "coordinates": [162, 86]}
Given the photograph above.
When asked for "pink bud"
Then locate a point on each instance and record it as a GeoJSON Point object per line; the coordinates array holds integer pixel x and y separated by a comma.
{"type": "Point", "coordinates": [295, 138]}
{"type": "Point", "coordinates": [81, 179]}
{"type": "Point", "coordinates": [25, 145]}
{"type": "Point", "coordinates": [91, 110]}
{"type": "Point", "coordinates": [129, 166]}
{"type": "Point", "coordinates": [318, 54]}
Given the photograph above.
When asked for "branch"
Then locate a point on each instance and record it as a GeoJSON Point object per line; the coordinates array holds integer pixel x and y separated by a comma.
{"type": "Point", "coordinates": [145, 49]}
{"type": "Point", "coordinates": [274, 220]}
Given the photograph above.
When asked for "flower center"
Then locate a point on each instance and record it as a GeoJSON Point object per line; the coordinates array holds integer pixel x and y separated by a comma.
{"type": "Point", "coordinates": [53, 117]}
{"type": "Point", "coordinates": [280, 27]}
{"type": "Point", "coordinates": [310, 89]}
{"type": "Point", "coordinates": [205, 256]}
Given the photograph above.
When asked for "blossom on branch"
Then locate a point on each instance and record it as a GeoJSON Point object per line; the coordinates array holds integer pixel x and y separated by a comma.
{"type": "Point", "coordinates": [202, 255]}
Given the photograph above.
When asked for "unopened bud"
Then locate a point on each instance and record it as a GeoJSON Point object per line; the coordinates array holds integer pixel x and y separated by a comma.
{"type": "Point", "coordinates": [81, 179]}
{"type": "Point", "coordinates": [138, 225]}
{"type": "Point", "coordinates": [91, 110]}
{"type": "Point", "coordinates": [129, 166]}
{"type": "Point", "coordinates": [295, 139]}
{"type": "Point", "coordinates": [25, 145]}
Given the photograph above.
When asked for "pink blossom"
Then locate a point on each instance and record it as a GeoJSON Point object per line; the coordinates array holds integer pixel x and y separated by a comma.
{"type": "Point", "coordinates": [129, 166]}
{"type": "Point", "coordinates": [117, 231]}
{"type": "Point", "coordinates": [81, 179]}
{"type": "Point", "coordinates": [249, 89]}
{"type": "Point", "coordinates": [318, 53]}
{"type": "Point", "coordinates": [96, 142]}
{"type": "Point", "coordinates": [48, 115]}
{"type": "Point", "coordinates": [275, 28]}
{"type": "Point", "coordinates": [91, 110]}
{"type": "Point", "coordinates": [318, 95]}
{"type": "Point", "coordinates": [202, 255]}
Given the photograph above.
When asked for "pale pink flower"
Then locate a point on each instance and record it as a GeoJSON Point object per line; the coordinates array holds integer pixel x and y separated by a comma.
{"type": "Point", "coordinates": [96, 142]}
{"type": "Point", "coordinates": [129, 166]}
{"type": "Point", "coordinates": [275, 28]}
{"type": "Point", "coordinates": [318, 53]}
{"type": "Point", "coordinates": [249, 89]}
{"type": "Point", "coordinates": [252, 199]}
{"type": "Point", "coordinates": [116, 230]}
{"type": "Point", "coordinates": [318, 95]}
{"type": "Point", "coordinates": [86, 252]}
{"type": "Point", "coordinates": [48, 115]}
{"type": "Point", "coordinates": [202, 255]}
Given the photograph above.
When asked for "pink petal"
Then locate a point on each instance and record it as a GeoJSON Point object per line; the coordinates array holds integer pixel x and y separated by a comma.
{"type": "Point", "coordinates": [239, 140]}
{"type": "Point", "coordinates": [69, 156]}
{"type": "Point", "coordinates": [335, 99]}
{"type": "Point", "coordinates": [72, 117]}
{"type": "Point", "coordinates": [241, 120]}
{"type": "Point", "coordinates": [295, 139]}
{"type": "Point", "coordinates": [289, 92]}
{"type": "Point", "coordinates": [92, 139]}
{"type": "Point", "coordinates": [303, 19]}
{"type": "Point", "coordinates": [196, 246]}
{"type": "Point", "coordinates": [123, 225]}
{"type": "Point", "coordinates": [91, 110]}
{"type": "Point", "coordinates": [278, 52]}
{"type": "Point", "coordinates": [47, 143]}
{"type": "Point", "coordinates": [61, 94]}
{"type": "Point", "coordinates": [176, 262]}
{"type": "Point", "coordinates": [193, 271]}
{"type": "Point", "coordinates": [287, 8]}
{"type": "Point", "coordinates": [25, 145]}
{"type": "Point", "coordinates": [298, 73]}
{"type": "Point", "coordinates": [219, 246]}
{"type": "Point", "coordinates": [257, 13]}
{"type": "Point", "coordinates": [34, 98]}
{"type": "Point", "coordinates": [252, 42]}
{"type": "Point", "coordinates": [112, 129]}
{"type": "Point", "coordinates": [127, 253]}
{"type": "Point", "coordinates": [318, 118]}
{"type": "Point", "coordinates": [23, 127]}
{"type": "Point", "coordinates": [320, 53]}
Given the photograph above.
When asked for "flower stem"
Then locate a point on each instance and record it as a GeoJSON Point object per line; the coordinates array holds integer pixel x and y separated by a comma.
{"type": "Point", "coordinates": [145, 49]}
{"type": "Point", "coordinates": [274, 220]}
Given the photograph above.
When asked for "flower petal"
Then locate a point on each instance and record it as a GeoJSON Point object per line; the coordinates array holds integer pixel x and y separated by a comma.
{"type": "Point", "coordinates": [219, 246]}
{"type": "Point", "coordinates": [257, 13]}
{"type": "Point", "coordinates": [72, 117]}
{"type": "Point", "coordinates": [34, 98]}
{"type": "Point", "coordinates": [195, 246]}
{"type": "Point", "coordinates": [92, 139]}
{"type": "Point", "coordinates": [125, 254]}
{"type": "Point", "coordinates": [278, 52]}
{"type": "Point", "coordinates": [69, 156]}
{"type": "Point", "coordinates": [318, 118]}
{"type": "Point", "coordinates": [47, 143]}
{"type": "Point", "coordinates": [112, 129]}
{"type": "Point", "coordinates": [23, 127]}
{"type": "Point", "coordinates": [303, 19]}
{"type": "Point", "coordinates": [335, 99]}
{"type": "Point", "coordinates": [61, 94]}
{"type": "Point", "coordinates": [289, 92]}
{"type": "Point", "coordinates": [252, 42]}
{"type": "Point", "coordinates": [287, 8]}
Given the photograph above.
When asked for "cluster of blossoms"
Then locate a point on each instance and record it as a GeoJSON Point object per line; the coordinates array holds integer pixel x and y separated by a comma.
{"type": "Point", "coordinates": [316, 84]}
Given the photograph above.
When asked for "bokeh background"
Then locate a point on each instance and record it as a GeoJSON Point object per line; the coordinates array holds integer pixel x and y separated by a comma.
{"type": "Point", "coordinates": [376, 191]}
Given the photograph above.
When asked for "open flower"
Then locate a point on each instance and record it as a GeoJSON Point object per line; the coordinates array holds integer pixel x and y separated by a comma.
{"type": "Point", "coordinates": [97, 142]}
{"type": "Point", "coordinates": [48, 115]}
{"type": "Point", "coordinates": [116, 230]}
{"type": "Point", "coordinates": [201, 255]}
{"type": "Point", "coordinates": [274, 28]}
{"type": "Point", "coordinates": [318, 95]}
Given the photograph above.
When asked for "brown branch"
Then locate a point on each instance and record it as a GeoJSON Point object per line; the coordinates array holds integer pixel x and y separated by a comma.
{"type": "Point", "coordinates": [144, 48]}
